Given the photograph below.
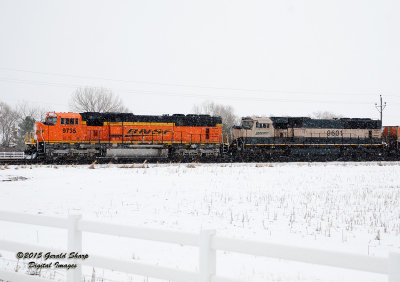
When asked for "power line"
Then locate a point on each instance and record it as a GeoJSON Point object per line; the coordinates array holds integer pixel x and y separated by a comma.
{"type": "Point", "coordinates": [190, 86]}
{"type": "Point", "coordinates": [164, 93]}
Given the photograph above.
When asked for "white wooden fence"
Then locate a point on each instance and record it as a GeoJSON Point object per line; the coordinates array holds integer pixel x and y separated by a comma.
{"type": "Point", "coordinates": [12, 155]}
{"type": "Point", "coordinates": [207, 242]}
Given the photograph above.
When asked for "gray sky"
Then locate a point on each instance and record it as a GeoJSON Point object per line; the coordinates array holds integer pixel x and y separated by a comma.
{"type": "Point", "coordinates": [286, 57]}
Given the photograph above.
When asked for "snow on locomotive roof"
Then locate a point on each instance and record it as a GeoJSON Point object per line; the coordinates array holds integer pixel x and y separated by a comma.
{"type": "Point", "coordinates": [93, 118]}
{"type": "Point", "coordinates": [306, 122]}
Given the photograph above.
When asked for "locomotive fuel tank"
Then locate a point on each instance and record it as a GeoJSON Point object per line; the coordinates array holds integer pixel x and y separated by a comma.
{"type": "Point", "coordinates": [138, 151]}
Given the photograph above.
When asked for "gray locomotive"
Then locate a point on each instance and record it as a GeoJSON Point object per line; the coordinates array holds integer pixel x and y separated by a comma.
{"type": "Point", "coordinates": [304, 138]}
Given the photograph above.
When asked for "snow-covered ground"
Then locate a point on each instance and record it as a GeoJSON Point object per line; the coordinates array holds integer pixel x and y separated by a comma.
{"type": "Point", "coordinates": [350, 207]}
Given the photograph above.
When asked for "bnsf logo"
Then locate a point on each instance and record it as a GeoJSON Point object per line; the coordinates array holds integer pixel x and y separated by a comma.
{"type": "Point", "coordinates": [136, 131]}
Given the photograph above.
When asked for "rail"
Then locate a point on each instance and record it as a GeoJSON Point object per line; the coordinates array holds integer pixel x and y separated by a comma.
{"type": "Point", "coordinates": [207, 242]}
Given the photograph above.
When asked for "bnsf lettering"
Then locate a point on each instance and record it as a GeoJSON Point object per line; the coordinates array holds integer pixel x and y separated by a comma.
{"type": "Point", "coordinates": [144, 131]}
{"type": "Point", "coordinates": [136, 131]}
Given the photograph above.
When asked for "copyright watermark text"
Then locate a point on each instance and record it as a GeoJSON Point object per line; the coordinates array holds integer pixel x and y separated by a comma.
{"type": "Point", "coordinates": [46, 257]}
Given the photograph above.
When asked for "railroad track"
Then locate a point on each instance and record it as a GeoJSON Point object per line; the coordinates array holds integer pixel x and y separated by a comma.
{"type": "Point", "coordinates": [16, 158]}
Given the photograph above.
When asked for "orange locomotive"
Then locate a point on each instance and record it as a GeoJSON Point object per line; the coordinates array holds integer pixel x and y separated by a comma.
{"type": "Point", "coordinates": [124, 135]}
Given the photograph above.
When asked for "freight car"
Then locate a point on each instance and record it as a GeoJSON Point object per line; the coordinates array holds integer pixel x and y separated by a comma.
{"type": "Point", "coordinates": [304, 138]}
{"type": "Point", "coordinates": [391, 136]}
{"type": "Point", "coordinates": [92, 135]}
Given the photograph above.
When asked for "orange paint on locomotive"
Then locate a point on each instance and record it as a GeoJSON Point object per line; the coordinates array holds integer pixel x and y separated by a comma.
{"type": "Point", "coordinates": [69, 128]}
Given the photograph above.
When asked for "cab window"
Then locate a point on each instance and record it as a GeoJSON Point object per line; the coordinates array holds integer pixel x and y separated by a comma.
{"type": "Point", "coordinates": [62, 120]}
{"type": "Point", "coordinates": [51, 120]}
{"type": "Point", "coordinates": [71, 121]}
{"type": "Point", "coordinates": [247, 124]}
{"type": "Point", "coordinates": [76, 121]}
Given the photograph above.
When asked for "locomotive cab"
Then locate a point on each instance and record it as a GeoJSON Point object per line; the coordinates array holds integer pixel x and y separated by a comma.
{"type": "Point", "coordinates": [253, 127]}
{"type": "Point", "coordinates": [51, 119]}
{"type": "Point", "coordinates": [53, 134]}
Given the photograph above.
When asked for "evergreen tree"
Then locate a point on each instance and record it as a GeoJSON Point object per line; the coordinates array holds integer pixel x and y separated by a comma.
{"type": "Point", "coordinates": [24, 127]}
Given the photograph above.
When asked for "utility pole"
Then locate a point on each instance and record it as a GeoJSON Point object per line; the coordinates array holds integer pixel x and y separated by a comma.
{"type": "Point", "coordinates": [380, 107]}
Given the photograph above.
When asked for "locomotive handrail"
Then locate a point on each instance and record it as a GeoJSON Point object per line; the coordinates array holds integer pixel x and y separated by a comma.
{"type": "Point", "coordinates": [145, 137]}
{"type": "Point", "coordinates": [344, 135]}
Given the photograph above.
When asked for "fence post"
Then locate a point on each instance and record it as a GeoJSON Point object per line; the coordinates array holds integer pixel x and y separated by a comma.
{"type": "Point", "coordinates": [74, 245]}
{"type": "Point", "coordinates": [394, 267]}
{"type": "Point", "coordinates": [207, 256]}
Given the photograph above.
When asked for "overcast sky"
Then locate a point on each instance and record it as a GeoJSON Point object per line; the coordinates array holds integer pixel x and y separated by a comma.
{"type": "Point", "coordinates": [286, 57]}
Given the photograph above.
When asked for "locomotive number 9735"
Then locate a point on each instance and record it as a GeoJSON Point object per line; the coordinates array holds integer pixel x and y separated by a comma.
{"type": "Point", "coordinates": [69, 130]}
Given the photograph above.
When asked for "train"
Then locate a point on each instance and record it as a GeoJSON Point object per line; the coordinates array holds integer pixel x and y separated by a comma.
{"type": "Point", "coordinates": [124, 136]}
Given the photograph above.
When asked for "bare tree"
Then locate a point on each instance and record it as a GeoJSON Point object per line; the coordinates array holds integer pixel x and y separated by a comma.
{"type": "Point", "coordinates": [16, 122]}
{"type": "Point", "coordinates": [326, 115]}
{"type": "Point", "coordinates": [96, 99]}
{"type": "Point", "coordinates": [8, 124]}
{"type": "Point", "coordinates": [25, 110]}
{"type": "Point", "coordinates": [229, 118]}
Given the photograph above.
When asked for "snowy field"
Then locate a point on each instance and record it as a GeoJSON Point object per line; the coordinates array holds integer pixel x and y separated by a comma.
{"type": "Point", "coordinates": [350, 207]}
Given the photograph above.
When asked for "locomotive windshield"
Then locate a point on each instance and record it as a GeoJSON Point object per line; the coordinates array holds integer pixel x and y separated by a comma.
{"type": "Point", "coordinates": [247, 124]}
{"type": "Point", "coordinates": [51, 120]}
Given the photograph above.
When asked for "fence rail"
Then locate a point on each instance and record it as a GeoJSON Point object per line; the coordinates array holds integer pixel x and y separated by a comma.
{"type": "Point", "coordinates": [207, 242]}
{"type": "Point", "coordinates": [12, 155]}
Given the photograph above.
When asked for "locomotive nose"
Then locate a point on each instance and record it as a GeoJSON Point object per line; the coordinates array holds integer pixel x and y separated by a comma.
{"type": "Point", "coordinates": [32, 136]}
{"type": "Point", "coordinates": [39, 130]}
